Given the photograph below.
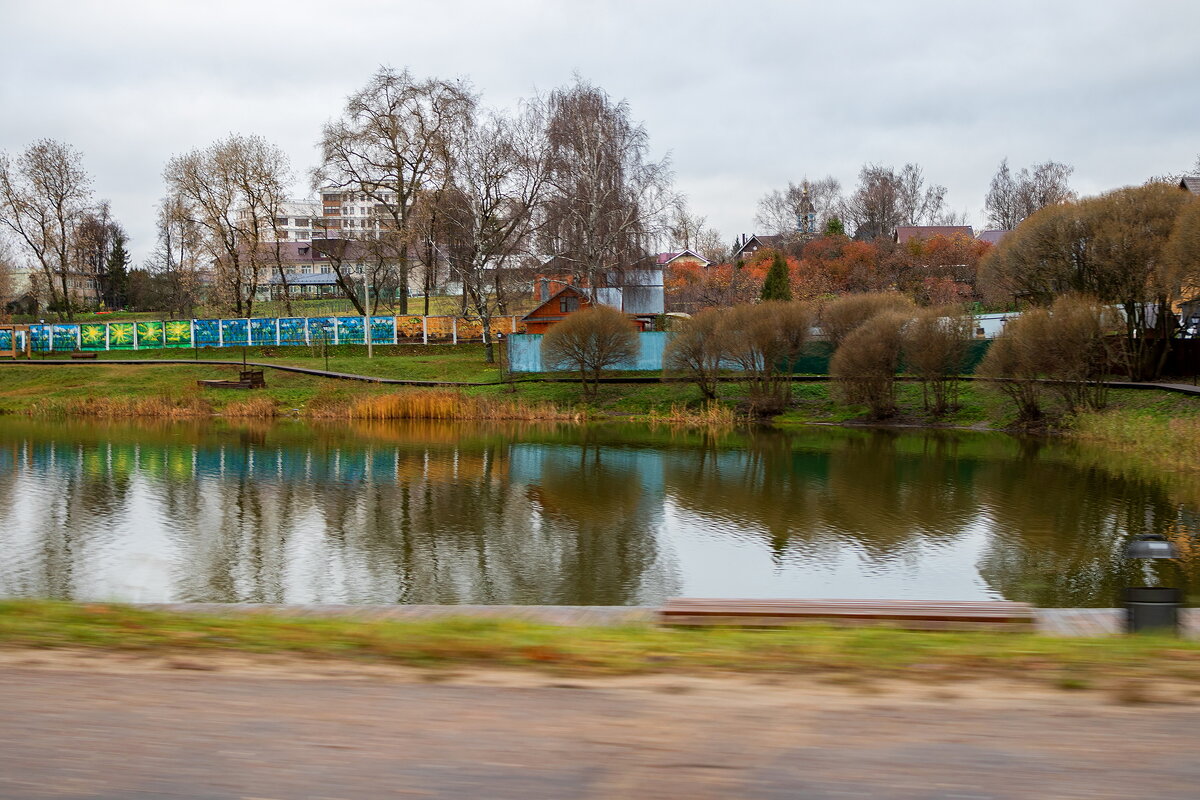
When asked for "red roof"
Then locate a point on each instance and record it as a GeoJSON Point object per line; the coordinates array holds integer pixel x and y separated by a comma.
{"type": "Point", "coordinates": [905, 233]}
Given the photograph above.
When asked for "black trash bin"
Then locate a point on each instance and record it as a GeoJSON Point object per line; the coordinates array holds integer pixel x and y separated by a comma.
{"type": "Point", "coordinates": [1152, 609]}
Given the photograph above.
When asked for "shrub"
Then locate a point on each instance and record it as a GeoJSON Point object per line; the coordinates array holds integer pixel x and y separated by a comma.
{"type": "Point", "coordinates": [864, 366]}
{"type": "Point", "coordinates": [841, 316]}
{"type": "Point", "coordinates": [697, 348]}
{"type": "Point", "coordinates": [1065, 349]}
{"type": "Point", "coordinates": [764, 341]}
{"type": "Point", "coordinates": [935, 349]}
{"type": "Point", "coordinates": [590, 342]}
{"type": "Point", "coordinates": [1015, 362]}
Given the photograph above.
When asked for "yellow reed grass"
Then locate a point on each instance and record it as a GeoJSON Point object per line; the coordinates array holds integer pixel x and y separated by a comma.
{"type": "Point", "coordinates": [126, 407]}
{"type": "Point", "coordinates": [711, 415]}
{"type": "Point", "coordinates": [258, 407]}
{"type": "Point", "coordinates": [444, 405]}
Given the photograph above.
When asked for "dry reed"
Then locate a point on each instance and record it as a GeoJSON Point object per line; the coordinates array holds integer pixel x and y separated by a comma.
{"type": "Point", "coordinates": [126, 407]}
{"type": "Point", "coordinates": [711, 415]}
{"type": "Point", "coordinates": [443, 405]}
{"type": "Point", "coordinates": [256, 407]}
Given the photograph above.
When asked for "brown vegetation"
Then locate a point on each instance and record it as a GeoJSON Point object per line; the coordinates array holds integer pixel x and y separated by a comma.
{"type": "Point", "coordinates": [443, 405]}
{"type": "Point", "coordinates": [1064, 349]}
{"type": "Point", "coordinates": [696, 349]}
{"type": "Point", "coordinates": [1123, 248]}
{"type": "Point", "coordinates": [590, 342]}
{"type": "Point", "coordinates": [935, 348]}
{"type": "Point", "coordinates": [764, 341]}
{"type": "Point", "coordinates": [864, 366]}
{"type": "Point", "coordinates": [841, 317]}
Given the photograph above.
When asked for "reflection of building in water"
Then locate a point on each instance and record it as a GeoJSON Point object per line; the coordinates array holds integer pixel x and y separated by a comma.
{"type": "Point", "coordinates": [602, 508]}
{"type": "Point", "coordinates": [237, 521]}
{"type": "Point", "coordinates": [573, 518]}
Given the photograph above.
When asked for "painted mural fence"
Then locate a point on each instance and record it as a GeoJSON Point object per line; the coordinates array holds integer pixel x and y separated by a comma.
{"type": "Point", "coordinates": [254, 331]}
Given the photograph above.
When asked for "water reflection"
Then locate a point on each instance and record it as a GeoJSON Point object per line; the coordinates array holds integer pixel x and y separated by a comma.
{"type": "Point", "coordinates": [439, 513]}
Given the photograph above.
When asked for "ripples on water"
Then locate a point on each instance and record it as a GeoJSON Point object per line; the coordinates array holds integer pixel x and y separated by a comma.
{"type": "Point", "coordinates": [440, 513]}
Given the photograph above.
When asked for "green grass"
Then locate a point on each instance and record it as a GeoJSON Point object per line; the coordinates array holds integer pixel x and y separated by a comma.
{"type": "Point", "coordinates": [814, 651]}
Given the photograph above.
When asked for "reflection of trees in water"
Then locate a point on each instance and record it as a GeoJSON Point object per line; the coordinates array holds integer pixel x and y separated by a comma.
{"type": "Point", "coordinates": [1059, 531]}
{"type": "Point", "coordinates": [808, 502]}
{"type": "Point", "coordinates": [572, 519]}
{"type": "Point", "coordinates": [247, 522]}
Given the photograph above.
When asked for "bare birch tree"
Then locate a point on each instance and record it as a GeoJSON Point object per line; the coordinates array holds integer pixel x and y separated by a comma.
{"type": "Point", "coordinates": [177, 256]}
{"type": "Point", "coordinates": [231, 191]}
{"type": "Point", "coordinates": [607, 198]}
{"type": "Point", "coordinates": [1011, 199]}
{"type": "Point", "coordinates": [500, 179]}
{"type": "Point", "coordinates": [390, 145]}
{"type": "Point", "coordinates": [44, 193]}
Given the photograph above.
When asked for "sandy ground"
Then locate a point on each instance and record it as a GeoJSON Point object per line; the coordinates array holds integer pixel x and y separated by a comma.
{"type": "Point", "coordinates": [81, 725]}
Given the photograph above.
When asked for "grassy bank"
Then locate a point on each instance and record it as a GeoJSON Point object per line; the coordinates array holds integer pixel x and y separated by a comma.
{"type": "Point", "coordinates": [823, 653]}
{"type": "Point", "coordinates": [1157, 429]}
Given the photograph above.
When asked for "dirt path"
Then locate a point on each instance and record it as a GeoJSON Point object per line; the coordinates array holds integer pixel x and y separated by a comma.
{"type": "Point", "coordinates": [83, 726]}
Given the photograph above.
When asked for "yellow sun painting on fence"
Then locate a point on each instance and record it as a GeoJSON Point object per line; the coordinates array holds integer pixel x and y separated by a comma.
{"type": "Point", "coordinates": [120, 334]}
{"type": "Point", "coordinates": [92, 334]}
{"type": "Point", "coordinates": [179, 332]}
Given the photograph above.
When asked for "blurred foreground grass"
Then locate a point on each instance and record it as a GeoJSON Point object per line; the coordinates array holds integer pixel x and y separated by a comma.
{"type": "Point", "coordinates": [840, 654]}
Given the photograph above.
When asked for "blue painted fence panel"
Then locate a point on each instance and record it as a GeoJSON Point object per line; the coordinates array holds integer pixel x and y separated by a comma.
{"type": "Point", "coordinates": [525, 353]}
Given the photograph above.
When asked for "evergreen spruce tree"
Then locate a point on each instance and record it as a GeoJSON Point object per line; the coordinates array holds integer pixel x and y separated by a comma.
{"type": "Point", "coordinates": [116, 273]}
{"type": "Point", "coordinates": [835, 227]}
{"type": "Point", "coordinates": [777, 286]}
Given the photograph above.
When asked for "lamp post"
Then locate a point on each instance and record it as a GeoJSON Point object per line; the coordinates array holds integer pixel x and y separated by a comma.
{"type": "Point", "coordinates": [1151, 608]}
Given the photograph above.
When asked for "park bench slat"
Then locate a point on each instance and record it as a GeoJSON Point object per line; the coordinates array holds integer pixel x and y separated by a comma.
{"type": "Point", "coordinates": [896, 613]}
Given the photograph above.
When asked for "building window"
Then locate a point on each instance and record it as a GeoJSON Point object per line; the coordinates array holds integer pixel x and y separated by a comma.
{"type": "Point", "coordinates": [300, 223]}
{"type": "Point", "coordinates": [568, 303]}
{"type": "Point", "coordinates": [306, 269]}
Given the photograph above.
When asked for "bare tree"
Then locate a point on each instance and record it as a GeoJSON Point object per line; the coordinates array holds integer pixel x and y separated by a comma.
{"type": "Point", "coordinates": [935, 349]}
{"type": "Point", "coordinates": [764, 341]}
{"type": "Point", "coordinates": [499, 178]}
{"type": "Point", "coordinates": [44, 193]}
{"type": "Point", "coordinates": [607, 198]}
{"type": "Point", "coordinates": [842, 316]}
{"type": "Point", "coordinates": [777, 209]}
{"type": "Point", "coordinates": [1012, 199]}
{"type": "Point", "coordinates": [392, 143]}
{"type": "Point", "coordinates": [865, 364]}
{"type": "Point", "coordinates": [590, 342]}
{"type": "Point", "coordinates": [177, 256]}
{"type": "Point", "coordinates": [698, 349]}
{"type": "Point", "coordinates": [1113, 247]}
{"type": "Point", "coordinates": [231, 191]}
{"type": "Point", "coordinates": [886, 199]}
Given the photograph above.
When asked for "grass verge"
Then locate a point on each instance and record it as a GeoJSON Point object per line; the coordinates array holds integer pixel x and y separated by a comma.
{"type": "Point", "coordinates": [835, 653]}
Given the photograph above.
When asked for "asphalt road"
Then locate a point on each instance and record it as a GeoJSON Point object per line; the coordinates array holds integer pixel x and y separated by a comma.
{"type": "Point", "coordinates": [325, 733]}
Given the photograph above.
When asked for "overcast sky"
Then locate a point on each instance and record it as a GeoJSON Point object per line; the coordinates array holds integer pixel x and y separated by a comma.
{"type": "Point", "coordinates": [744, 96]}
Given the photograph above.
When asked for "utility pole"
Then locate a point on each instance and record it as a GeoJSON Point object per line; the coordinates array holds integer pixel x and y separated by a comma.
{"type": "Point", "coordinates": [367, 318]}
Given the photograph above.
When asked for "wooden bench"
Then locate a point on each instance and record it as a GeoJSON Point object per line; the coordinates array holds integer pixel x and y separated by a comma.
{"type": "Point", "coordinates": [82, 354]}
{"type": "Point", "coordinates": [247, 379]}
{"type": "Point", "coordinates": [908, 614]}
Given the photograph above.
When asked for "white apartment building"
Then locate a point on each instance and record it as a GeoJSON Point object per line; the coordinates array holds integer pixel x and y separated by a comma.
{"type": "Point", "coordinates": [349, 214]}
{"type": "Point", "coordinates": [295, 222]}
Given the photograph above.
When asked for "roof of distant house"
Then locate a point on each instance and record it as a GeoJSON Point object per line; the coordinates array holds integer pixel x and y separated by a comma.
{"type": "Point", "coordinates": [760, 240]}
{"type": "Point", "coordinates": [1190, 183]}
{"type": "Point", "coordinates": [906, 233]}
{"type": "Point", "coordinates": [666, 258]}
{"type": "Point", "coordinates": [305, 279]}
{"type": "Point", "coordinates": [993, 236]}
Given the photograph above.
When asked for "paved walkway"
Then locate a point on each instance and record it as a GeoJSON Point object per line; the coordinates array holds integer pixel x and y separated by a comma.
{"type": "Point", "coordinates": [210, 732]}
{"type": "Point", "coordinates": [1050, 621]}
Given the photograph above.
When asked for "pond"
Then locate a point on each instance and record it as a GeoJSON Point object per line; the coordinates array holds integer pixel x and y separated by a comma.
{"type": "Point", "coordinates": [575, 515]}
